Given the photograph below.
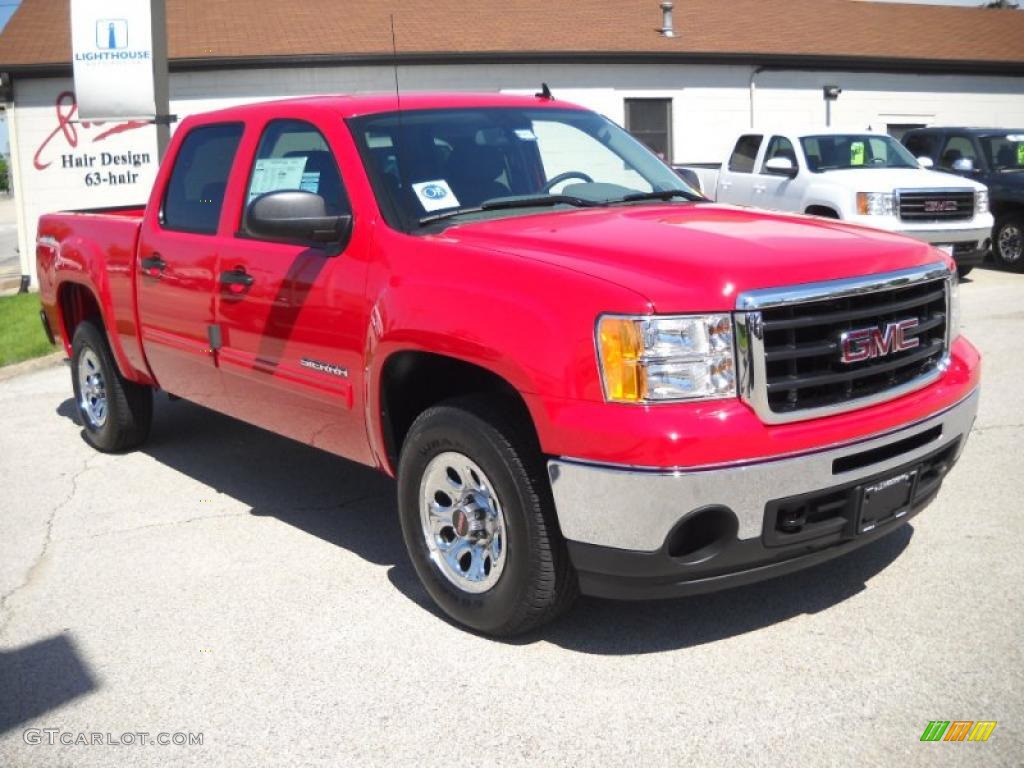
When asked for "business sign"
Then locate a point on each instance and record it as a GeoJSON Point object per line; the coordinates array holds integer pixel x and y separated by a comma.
{"type": "Point", "coordinates": [112, 46]}
{"type": "Point", "coordinates": [66, 162]}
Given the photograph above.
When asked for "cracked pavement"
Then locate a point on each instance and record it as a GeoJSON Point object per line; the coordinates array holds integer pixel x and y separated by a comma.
{"type": "Point", "coordinates": [226, 581]}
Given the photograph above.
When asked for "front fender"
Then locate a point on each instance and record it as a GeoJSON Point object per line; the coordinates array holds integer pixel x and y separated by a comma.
{"type": "Point", "coordinates": [528, 322]}
{"type": "Point", "coordinates": [828, 196]}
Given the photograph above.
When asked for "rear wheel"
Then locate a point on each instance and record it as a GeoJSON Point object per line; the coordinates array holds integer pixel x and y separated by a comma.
{"type": "Point", "coordinates": [116, 414]}
{"type": "Point", "coordinates": [478, 519]}
{"type": "Point", "coordinates": [1008, 241]}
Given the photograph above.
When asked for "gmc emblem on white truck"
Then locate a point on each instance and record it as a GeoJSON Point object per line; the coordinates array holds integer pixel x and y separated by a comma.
{"type": "Point", "coordinates": [869, 343]}
{"type": "Point", "coordinates": [940, 206]}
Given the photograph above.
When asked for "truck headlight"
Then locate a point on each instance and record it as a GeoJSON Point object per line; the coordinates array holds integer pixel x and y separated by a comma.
{"type": "Point", "coordinates": [981, 201]}
{"type": "Point", "coordinates": [666, 358]}
{"type": "Point", "coordinates": [876, 203]}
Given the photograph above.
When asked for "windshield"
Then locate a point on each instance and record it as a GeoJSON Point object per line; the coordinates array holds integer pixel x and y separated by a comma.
{"type": "Point", "coordinates": [844, 151]}
{"type": "Point", "coordinates": [1004, 153]}
{"type": "Point", "coordinates": [433, 166]}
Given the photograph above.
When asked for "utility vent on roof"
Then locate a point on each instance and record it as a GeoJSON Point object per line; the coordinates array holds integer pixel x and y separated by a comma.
{"type": "Point", "coordinates": [667, 30]}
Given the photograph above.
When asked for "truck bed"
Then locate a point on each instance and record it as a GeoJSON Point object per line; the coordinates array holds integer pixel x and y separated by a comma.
{"type": "Point", "coordinates": [97, 247]}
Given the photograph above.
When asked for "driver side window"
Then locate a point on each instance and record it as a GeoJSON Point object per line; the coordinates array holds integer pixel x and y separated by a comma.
{"type": "Point", "coordinates": [566, 149]}
{"type": "Point", "coordinates": [957, 148]}
{"type": "Point", "coordinates": [293, 155]}
{"type": "Point", "coordinates": [782, 147]}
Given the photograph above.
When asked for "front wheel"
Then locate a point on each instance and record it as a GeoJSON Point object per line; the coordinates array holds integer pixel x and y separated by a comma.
{"type": "Point", "coordinates": [115, 413]}
{"type": "Point", "coordinates": [1008, 241]}
{"type": "Point", "coordinates": [478, 519]}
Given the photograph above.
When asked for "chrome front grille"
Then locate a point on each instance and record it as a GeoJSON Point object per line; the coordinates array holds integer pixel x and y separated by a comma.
{"type": "Point", "coordinates": [791, 342]}
{"type": "Point", "coordinates": [936, 205]}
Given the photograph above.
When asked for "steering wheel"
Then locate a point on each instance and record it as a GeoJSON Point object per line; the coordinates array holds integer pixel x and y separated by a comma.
{"type": "Point", "coordinates": [565, 177]}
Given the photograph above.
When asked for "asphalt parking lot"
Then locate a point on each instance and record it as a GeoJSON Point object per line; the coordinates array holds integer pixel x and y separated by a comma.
{"type": "Point", "coordinates": [227, 582]}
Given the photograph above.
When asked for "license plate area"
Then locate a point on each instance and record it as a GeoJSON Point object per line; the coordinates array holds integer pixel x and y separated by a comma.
{"type": "Point", "coordinates": [886, 500]}
{"type": "Point", "coordinates": [831, 515]}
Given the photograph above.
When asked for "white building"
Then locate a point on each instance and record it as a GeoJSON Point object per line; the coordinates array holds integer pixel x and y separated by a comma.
{"type": "Point", "coordinates": [728, 66]}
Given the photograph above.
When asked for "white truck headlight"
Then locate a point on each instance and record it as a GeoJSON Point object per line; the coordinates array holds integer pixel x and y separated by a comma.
{"type": "Point", "coordinates": [876, 203]}
{"type": "Point", "coordinates": [667, 358]}
{"type": "Point", "coordinates": [981, 201]}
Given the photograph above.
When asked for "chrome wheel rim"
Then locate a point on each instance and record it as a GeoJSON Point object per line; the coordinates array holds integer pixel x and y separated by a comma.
{"type": "Point", "coordinates": [92, 389]}
{"type": "Point", "coordinates": [1011, 243]}
{"type": "Point", "coordinates": [463, 524]}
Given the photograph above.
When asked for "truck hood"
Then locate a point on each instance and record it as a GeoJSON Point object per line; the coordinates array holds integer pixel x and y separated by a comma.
{"type": "Point", "coordinates": [889, 179]}
{"type": "Point", "coordinates": [696, 257]}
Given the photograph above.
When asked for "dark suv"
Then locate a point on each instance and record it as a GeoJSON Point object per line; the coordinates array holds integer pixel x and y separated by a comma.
{"type": "Point", "coordinates": [993, 156]}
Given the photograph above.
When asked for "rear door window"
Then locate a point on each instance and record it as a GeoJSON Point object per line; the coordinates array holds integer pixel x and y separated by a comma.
{"type": "Point", "coordinates": [921, 145]}
{"type": "Point", "coordinates": [745, 153]}
{"type": "Point", "coordinates": [195, 192]}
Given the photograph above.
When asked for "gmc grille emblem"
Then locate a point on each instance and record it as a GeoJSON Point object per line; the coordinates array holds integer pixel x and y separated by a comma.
{"type": "Point", "coordinates": [869, 343]}
{"type": "Point", "coordinates": [940, 206]}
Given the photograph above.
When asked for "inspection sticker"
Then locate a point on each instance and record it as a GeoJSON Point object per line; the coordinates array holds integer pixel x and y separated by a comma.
{"type": "Point", "coordinates": [435, 195]}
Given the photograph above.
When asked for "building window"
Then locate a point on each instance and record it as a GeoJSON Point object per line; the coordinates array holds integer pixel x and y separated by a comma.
{"type": "Point", "coordinates": [650, 121]}
{"type": "Point", "coordinates": [896, 130]}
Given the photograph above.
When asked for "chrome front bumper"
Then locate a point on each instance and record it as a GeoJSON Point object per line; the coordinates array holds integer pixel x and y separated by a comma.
{"type": "Point", "coordinates": [634, 509]}
{"type": "Point", "coordinates": [948, 236]}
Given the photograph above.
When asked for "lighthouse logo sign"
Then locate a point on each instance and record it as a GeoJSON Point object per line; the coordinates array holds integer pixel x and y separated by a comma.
{"type": "Point", "coordinates": [112, 57]}
{"type": "Point", "coordinates": [111, 34]}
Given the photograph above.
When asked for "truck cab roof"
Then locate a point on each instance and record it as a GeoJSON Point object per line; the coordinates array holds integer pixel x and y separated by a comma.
{"type": "Point", "coordinates": [355, 105]}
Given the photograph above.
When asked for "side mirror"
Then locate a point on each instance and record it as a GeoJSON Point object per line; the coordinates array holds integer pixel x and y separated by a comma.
{"type": "Point", "coordinates": [963, 165]}
{"type": "Point", "coordinates": [925, 162]}
{"type": "Point", "coordinates": [780, 166]}
{"type": "Point", "coordinates": [295, 216]}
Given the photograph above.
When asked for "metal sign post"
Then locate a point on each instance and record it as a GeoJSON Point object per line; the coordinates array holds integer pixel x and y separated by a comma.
{"type": "Point", "coordinates": [161, 86]}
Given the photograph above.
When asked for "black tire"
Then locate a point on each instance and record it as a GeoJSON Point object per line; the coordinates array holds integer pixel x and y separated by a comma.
{"type": "Point", "coordinates": [129, 406]}
{"type": "Point", "coordinates": [537, 582]}
{"type": "Point", "coordinates": [963, 271]}
{"type": "Point", "coordinates": [1008, 241]}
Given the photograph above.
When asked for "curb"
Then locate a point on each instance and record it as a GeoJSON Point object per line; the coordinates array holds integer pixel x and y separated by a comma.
{"type": "Point", "coordinates": [29, 366]}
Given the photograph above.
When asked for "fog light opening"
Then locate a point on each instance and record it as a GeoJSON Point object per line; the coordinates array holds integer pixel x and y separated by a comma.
{"type": "Point", "coordinates": [702, 534]}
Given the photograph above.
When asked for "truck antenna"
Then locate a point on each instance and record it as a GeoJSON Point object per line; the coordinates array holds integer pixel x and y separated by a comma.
{"type": "Point", "coordinates": [545, 93]}
{"type": "Point", "coordinates": [394, 64]}
{"type": "Point", "coordinates": [398, 101]}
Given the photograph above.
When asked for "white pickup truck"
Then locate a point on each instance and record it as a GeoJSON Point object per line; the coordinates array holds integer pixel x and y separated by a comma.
{"type": "Point", "coordinates": [860, 176]}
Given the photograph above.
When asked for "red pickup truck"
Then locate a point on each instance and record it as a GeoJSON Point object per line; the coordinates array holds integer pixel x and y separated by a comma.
{"type": "Point", "coordinates": [583, 376]}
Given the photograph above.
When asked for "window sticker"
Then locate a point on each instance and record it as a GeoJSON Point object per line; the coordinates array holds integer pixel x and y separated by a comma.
{"type": "Point", "coordinates": [310, 181]}
{"type": "Point", "coordinates": [857, 153]}
{"type": "Point", "coordinates": [525, 134]}
{"type": "Point", "coordinates": [1020, 154]}
{"type": "Point", "coordinates": [276, 173]}
{"type": "Point", "coordinates": [435, 195]}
